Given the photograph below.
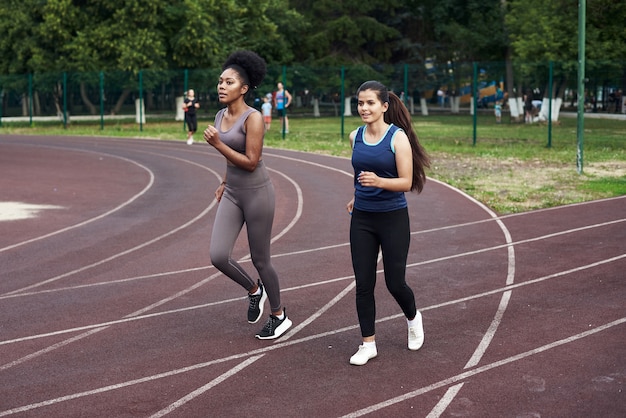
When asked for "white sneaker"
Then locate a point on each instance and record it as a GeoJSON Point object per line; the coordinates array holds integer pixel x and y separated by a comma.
{"type": "Point", "coordinates": [190, 141]}
{"type": "Point", "coordinates": [363, 355]}
{"type": "Point", "coordinates": [416, 334]}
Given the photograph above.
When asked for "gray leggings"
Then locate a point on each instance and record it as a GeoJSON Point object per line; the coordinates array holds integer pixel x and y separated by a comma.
{"type": "Point", "coordinates": [248, 198]}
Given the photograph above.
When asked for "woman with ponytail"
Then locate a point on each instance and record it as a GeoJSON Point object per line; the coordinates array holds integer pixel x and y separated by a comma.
{"type": "Point", "coordinates": [388, 161]}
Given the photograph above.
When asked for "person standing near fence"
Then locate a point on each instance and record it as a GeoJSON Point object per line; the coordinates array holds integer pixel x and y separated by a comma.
{"type": "Point", "coordinates": [266, 109]}
{"type": "Point", "coordinates": [388, 161]}
{"type": "Point", "coordinates": [246, 194]}
{"type": "Point", "coordinates": [191, 118]}
{"type": "Point", "coordinates": [497, 110]}
{"type": "Point", "coordinates": [282, 100]}
{"type": "Point", "coordinates": [528, 108]}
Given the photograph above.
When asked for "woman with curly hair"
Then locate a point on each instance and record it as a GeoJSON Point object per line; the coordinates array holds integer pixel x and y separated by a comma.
{"type": "Point", "coordinates": [388, 161]}
{"type": "Point", "coordinates": [246, 194]}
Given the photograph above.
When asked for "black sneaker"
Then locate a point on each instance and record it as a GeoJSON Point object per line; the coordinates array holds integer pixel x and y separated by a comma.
{"type": "Point", "coordinates": [274, 327]}
{"type": "Point", "coordinates": [255, 309]}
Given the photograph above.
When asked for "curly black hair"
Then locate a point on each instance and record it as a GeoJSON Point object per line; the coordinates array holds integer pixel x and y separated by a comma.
{"type": "Point", "coordinates": [250, 66]}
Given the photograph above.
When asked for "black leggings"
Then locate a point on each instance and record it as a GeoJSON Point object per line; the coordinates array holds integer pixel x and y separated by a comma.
{"type": "Point", "coordinates": [389, 231]}
{"type": "Point", "coordinates": [192, 122]}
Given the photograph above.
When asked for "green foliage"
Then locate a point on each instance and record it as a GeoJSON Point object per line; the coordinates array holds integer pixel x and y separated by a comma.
{"type": "Point", "coordinates": [544, 30]}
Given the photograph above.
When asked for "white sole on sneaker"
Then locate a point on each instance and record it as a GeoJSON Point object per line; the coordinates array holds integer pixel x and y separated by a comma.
{"type": "Point", "coordinates": [280, 330]}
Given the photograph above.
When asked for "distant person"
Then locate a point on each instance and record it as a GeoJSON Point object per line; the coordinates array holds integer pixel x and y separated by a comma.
{"type": "Point", "coordinates": [441, 97]}
{"type": "Point", "coordinates": [189, 106]}
{"type": "Point", "coordinates": [282, 100]}
{"type": "Point", "coordinates": [528, 109]}
{"type": "Point", "coordinates": [497, 110]}
{"type": "Point", "coordinates": [266, 109]}
{"type": "Point", "coordinates": [388, 161]}
{"type": "Point", "coordinates": [246, 194]}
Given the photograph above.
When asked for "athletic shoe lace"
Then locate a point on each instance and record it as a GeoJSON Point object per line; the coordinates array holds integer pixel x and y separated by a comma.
{"type": "Point", "coordinates": [270, 324]}
{"type": "Point", "coordinates": [254, 301]}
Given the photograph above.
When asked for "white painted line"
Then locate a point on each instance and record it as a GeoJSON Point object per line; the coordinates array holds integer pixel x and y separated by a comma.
{"type": "Point", "coordinates": [14, 211]}
{"type": "Point", "coordinates": [491, 331]}
{"type": "Point", "coordinates": [431, 307]}
{"type": "Point", "coordinates": [483, 369]}
{"type": "Point", "coordinates": [88, 221]}
{"type": "Point", "coordinates": [191, 396]}
{"type": "Point", "coordinates": [443, 403]}
{"type": "Point", "coordinates": [122, 253]}
{"type": "Point", "coordinates": [370, 409]}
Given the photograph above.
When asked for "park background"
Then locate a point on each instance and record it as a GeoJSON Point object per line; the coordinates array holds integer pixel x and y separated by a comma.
{"type": "Point", "coordinates": [122, 68]}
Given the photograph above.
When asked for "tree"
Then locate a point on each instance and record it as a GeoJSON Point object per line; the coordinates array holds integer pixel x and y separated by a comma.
{"type": "Point", "coordinates": [86, 37]}
{"type": "Point", "coordinates": [547, 30]}
{"type": "Point", "coordinates": [346, 32]}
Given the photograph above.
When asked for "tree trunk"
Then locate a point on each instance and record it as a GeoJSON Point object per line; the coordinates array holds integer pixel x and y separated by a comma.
{"type": "Point", "coordinates": [86, 101]}
{"type": "Point", "coordinates": [36, 104]}
{"type": "Point", "coordinates": [120, 102]}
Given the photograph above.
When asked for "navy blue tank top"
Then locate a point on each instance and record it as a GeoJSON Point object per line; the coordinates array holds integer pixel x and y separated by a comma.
{"type": "Point", "coordinates": [379, 158]}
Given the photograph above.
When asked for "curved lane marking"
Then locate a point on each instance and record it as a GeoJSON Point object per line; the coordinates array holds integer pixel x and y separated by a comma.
{"type": "Point", "coordinates": [115, 209]}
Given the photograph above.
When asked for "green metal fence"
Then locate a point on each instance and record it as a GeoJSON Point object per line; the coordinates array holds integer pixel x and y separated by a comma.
{"type": "Point", "coordinates": [462, 87]}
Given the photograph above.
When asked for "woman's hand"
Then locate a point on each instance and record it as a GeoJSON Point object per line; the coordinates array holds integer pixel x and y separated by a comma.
{"type": "Point", "coordinates": [211, 136]}
{"type": "Point", "coordinates": [220, 191]}
{"type": "Point", "coordinates": [369, 179]}
{"type": "Point", "coordinates": [350, 206]}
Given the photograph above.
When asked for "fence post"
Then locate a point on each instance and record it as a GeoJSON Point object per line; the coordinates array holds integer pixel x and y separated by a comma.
{"type": "Point", "coordinates": [475, 99]}
{"type": "Point", "coordinates": [406, 84]}
{"type": "Point", "coordinates": [101, 101]}
{"type": "Point", "coordinates": [65, 100]}
{"type": "Point", "coordinates": [550, 105]}
{"type": "Point", "coordinates": [140, 110]}
{"type": "Point", "coordinates": [185, 88]}
{"type": "Point", "coordinates": [342, 99]}
{"type": "Point", "coordinates": [581, 83]}
{"type": "Point", "coordinates": [30, 99]}
{"type": "Point", "coordinates": [284, 127]}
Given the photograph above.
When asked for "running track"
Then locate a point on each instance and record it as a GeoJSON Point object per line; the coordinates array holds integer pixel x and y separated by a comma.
{"type": "Point", "coordinates": [109, 306]}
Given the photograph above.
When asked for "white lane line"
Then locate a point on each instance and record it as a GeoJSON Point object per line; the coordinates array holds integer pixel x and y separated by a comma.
{"type": "Point", "coordinates": [117, 255]}
{"type": "Point", "coordinates": [326, 167]}
{"type": "Point", "coordinates": [443, 403]}
{"type": "Point", "coordinates": [370, 409]}
{"type": "Point", "coordinates": [511, 269]}
{"type": "Point", "coordinates": [163, 301]}
{"type": "Point", "coordinates": [431, 307]}
{"type": "Point", "coordinates": [191, 396]}
{"type": "Point", "coordinates": [515, 243]}
{"type": "Point", "coordinates": [49, 349]}
{"type": "Point", "coordinates": [105, 214]}
{"type": "Point", "coordinates": [491, 332]}
{"type": "Point", "coordinates": [330, 247]}
{"type": "Point", "coordinates": [319, 313]}
{"type": "Point", "coordinates": [298, 215]}
{"type": "Point", "coordinates": [130, 250]}
{"type": "Point", "coordinates": [483, 369]}
{"type": "Point", "coordinates": [510, 278]}
{"type": "Point", "coordinates": [14, 211]}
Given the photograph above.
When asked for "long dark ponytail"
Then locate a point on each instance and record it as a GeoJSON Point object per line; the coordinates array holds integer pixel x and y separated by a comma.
{"type": "Point", "coordinates": [399, 115]}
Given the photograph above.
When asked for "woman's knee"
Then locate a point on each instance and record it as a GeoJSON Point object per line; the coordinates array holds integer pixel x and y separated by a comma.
{"type": "Point", "coordinates": [219, 258]}
{"type": "Point", "coordinates": [398, 288]}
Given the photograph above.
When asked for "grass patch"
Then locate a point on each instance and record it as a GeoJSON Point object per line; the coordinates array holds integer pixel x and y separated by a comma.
{"type": "Point", "coordinates": [511, 168]}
